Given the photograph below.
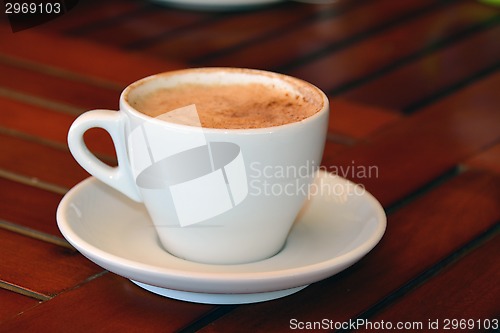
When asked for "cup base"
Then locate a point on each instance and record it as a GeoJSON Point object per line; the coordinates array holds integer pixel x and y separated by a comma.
{"type": "Point", "coordinates": [209, 255]}
{"type": "Point", "coordinates": [207, 298]}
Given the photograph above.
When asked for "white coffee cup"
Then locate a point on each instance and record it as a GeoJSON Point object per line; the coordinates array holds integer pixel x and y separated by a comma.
{"type": "Point", "coordinates": [216, 196]}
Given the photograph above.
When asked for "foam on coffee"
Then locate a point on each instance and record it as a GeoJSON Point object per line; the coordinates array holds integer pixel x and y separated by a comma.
{"type": "Point", "coordinates": [231, 106]}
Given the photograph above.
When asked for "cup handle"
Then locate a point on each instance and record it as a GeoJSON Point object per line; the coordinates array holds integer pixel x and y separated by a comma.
{"type": "Point", "coordinates": [113, 122]}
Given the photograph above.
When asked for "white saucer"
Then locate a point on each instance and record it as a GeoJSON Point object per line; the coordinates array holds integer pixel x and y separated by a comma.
{"type": "Point", "coordinates": [335, 229]}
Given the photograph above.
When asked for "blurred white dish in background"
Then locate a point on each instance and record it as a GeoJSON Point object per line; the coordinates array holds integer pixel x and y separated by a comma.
{"type": "Point", "coordinates": [224, 5]}
{"type": "Point", "coordinates": [215, 4]}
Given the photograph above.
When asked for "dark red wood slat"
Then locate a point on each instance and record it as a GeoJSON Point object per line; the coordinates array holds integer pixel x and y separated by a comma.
{"type": "Point", "coordinates": [488, 159]}
{"type": "Point", "coordinates": [29, 206]}
{"type": "Point", "coordinates": [297, 43]}
{"type": "Point", "coordinates": [469, 302]}
{"type": "Point", "coordinates": [41, 267]}
{"type": "Point", "coordinates": [13, 304]}
{"type": "Point", "coordinates": [333, 148]}
{"type": "Point", "coordinates": [26, 118]}
{"type": "Point", "coordinates": [389, 46]}
{"type": "Point", "coordinates": [357, 120]}
{"type": "Point", "coordinates": [418, 236]}
{"type": "Point", "coordinates": [405, 87]}
{"type": "Point", "coordinates": [42, 162]}
{"type": "Point", "coordinates": [427, 144]}
{"type": "Point", "coordinates": [108, 303]}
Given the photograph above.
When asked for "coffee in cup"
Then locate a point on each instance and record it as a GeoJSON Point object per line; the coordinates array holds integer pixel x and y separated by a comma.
{"type": "Point", "coordinates": [231, 106]}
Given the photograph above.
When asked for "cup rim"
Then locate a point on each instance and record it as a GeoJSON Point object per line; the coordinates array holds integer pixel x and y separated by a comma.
{"type": "Point", "coordinates": [324, 108]}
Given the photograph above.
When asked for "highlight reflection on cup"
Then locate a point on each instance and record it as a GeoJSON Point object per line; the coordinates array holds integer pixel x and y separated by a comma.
{"type": "Point", "coordinates": [199, 179]}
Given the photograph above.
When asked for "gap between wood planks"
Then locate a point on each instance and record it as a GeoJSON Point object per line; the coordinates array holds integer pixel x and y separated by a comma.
{"type": "Point", "coordinates": [59, 72]}
{"type": "Point", "coordinates": [39, 101]}
{"type": "Point", "coordinates": [41, 297]}
{"type": "Point", "coordinates": [35, 234]}
{"type": "Point", "coordinates": [428, 49]}
{"type": "Point", "coordinates": [335, 46]}
{"type": "Point", "coordinates": [49, 143]}
{"type": "Point", "coordinates": [326, 14]}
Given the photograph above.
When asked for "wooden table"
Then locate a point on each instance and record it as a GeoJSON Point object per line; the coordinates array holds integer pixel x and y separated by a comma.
{"type": "Point", "coordinates": [415, 91]}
